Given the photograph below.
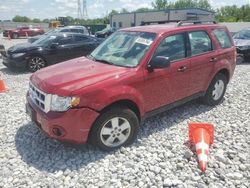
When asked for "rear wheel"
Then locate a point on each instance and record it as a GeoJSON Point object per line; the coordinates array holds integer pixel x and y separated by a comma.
{"type": "Point", "coordinates": [216, 90]}
{"type": "Point", "coordinates": [114, 128]}
{"type": "Point", "coordinates": [36, 63]}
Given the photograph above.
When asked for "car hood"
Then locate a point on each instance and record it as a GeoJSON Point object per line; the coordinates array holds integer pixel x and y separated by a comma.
{"type": "Point", "coordinates": [23, 47]}
{"type": "Point", "coordinates": [241, 42]}
{"type": "Point", "coordinates": [65, 78]}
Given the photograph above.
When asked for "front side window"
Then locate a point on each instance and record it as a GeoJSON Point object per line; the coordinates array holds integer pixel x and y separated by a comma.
{"type": "Point", "coordinates": [172, 47]}
{"type": "Point", "coordinates": [79, 38]}
{"type": "Point", "coordinates": [223, 38]}
{"type": "Point", "coordinates": [200, 42]}
{"type": "Point", "coordinates": [124, 48]}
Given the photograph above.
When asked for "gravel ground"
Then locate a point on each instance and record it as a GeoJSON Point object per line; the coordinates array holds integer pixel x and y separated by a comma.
{"type": "Point", "coordinates": [159, 158]}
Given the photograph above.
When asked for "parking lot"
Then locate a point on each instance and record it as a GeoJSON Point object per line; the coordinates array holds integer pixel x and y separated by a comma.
{"type": "Point", "coordinates": [159, 158]}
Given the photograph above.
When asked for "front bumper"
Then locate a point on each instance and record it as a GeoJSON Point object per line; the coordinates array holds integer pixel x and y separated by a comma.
{"type": "Point", "coordinates": [73, 124]}
{"type": "Point", "coordinates": [20, 62]}
{"type": "Point", "coordinates": [245, 52]}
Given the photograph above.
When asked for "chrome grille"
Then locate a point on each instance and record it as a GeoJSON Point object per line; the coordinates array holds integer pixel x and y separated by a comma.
{"type": "Point", "coordinates": [40, 98]}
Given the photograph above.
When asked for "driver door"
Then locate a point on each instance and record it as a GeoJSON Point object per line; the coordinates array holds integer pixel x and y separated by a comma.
{"type": "Point", "coordinates": [164, 86]}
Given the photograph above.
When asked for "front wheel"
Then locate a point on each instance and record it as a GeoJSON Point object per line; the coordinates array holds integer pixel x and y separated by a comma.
{"type": "Point", "coordinates": [15, 35]}
{"type": "Point", "coordinates": [36, 63]}
{"type": "Point", "coordinates": [216, 90]}
{"type": "Point", "coordinates": [114, 128]}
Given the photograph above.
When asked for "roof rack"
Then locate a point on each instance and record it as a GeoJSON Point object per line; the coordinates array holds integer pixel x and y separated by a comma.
{"type": "Point", "coordinates": [194, 22]}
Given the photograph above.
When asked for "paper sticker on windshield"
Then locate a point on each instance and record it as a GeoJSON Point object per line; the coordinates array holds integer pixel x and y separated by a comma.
{"type": "Point", "coordinates": [144, 41]}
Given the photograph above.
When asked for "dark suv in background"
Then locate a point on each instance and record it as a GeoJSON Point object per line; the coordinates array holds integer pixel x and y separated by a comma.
{"type": "Point", "coordinates": [242, 43]}
{"type": "Point", "coordinates": [49, 50]}
{"type": "Point", "coordinates": [68, 29]}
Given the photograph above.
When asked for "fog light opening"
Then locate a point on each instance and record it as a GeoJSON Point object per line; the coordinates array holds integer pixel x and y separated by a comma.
{"type": "Point", "coordinates": [57, 132]}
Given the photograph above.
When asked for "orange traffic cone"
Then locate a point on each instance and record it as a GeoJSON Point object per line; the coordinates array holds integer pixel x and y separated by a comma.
{"type": "Point", "coordinates": [2, 86]}
{"type": "Point", "coordinates": [201, 135]}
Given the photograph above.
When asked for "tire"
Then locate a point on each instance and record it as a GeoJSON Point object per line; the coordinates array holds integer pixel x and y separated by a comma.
{"type": "Point", "coordinates": [36, 63]}
{"type": "Point", "coordinates": [216, 90]}
{"type": "Point", "coordinates": [15, 36]}
{"type": "Point", "coordinates": [115, 127]}
{"type": "Point", "coordinates": [240, 59]}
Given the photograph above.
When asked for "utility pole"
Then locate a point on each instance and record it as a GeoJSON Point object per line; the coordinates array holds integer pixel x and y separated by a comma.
{"type": "Point", "coordinates": [84, 9]}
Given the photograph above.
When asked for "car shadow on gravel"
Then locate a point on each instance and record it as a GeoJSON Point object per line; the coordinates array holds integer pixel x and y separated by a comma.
{"type": "Point", "coordinates": [46, 154]}
{"type": "Point", "coordinates": [13, 71]}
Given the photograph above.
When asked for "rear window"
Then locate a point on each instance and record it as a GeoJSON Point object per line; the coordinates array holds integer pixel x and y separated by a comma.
{"type": "Point", "coordinates": [223, 38]}
{"type": "Point", "coordinates": [200, 42]}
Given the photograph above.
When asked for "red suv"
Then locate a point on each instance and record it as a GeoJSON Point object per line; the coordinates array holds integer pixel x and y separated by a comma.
{"type": "Point", "coordinates": [137, 72]}
{"type": "Point", "coordinates": [22, 32]}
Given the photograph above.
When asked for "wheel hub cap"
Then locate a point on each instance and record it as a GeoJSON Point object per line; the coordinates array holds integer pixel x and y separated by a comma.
{"type": "Point", "coordinates": [115, 132]}
{"type": "Point", "coordinates": [37, 63]}
{"type": "Point", "coordinates": [218, 89]}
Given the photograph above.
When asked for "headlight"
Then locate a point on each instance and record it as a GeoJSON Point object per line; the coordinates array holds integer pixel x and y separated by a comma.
{"type": "Point", "coordinates": [61, 104]}
{"type": "Point", "coordinates": [17, 55]}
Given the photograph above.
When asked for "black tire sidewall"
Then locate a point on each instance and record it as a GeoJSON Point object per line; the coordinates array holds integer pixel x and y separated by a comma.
{"type": "Point", "coordinates": [208, 98]}
{"type": "Point", "coordinates": [123, 112]}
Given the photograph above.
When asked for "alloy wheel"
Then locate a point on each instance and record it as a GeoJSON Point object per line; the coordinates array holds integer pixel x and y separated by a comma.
{"type": "Point", "coordinates": [218, 89]}
{"type": "Point", "coordinates": [115, 132]}
{"type": "Point", "coordinates": [36, 63]}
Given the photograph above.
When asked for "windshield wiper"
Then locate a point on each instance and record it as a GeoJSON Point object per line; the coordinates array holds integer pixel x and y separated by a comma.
{"type": "Point", "coordinates": [105, 61]}
{"type": "Point", "coordinates": [91, 57]}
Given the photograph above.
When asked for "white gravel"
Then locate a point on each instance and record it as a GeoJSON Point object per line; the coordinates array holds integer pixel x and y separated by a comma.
{"type": "Point", "coordinates": [159, 158]}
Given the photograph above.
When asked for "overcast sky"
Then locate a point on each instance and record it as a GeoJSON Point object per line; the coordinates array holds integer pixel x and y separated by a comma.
{"type": "Point", "coordinates": [96, 8]}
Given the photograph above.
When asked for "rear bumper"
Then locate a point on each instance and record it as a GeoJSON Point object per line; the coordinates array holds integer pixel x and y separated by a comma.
{"type": "Point", "coordinates": [73, 124]}
{"type": "Point", "coordinates": [246, 52]}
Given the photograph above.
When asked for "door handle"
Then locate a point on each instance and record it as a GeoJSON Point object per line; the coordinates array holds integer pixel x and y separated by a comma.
{"type": "Point", "coordinates": [213, 59]}
{"type": "Point", "coordinates": [182, 69]}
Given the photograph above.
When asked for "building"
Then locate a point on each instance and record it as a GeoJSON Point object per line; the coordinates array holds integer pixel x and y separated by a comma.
{"type": "Point", "coordinates": [159, 16]}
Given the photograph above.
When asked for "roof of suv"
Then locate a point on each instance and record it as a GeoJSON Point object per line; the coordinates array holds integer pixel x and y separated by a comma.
{"type": "Point", "coordinates": [162, 28]}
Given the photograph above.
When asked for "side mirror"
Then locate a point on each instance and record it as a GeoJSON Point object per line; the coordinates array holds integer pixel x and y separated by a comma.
{"type": "Point", "coordinates": [159, 62]}
{"type": "Point", "coordinates": [54, 45]}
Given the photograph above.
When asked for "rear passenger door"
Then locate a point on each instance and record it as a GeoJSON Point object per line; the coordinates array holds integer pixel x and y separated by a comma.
{"type": "Point", "coordinates": [202, 57]}
{"type": "Point", "coordinates": [65, 49]}
{"type": "Point", "coordinates": [227, 49]}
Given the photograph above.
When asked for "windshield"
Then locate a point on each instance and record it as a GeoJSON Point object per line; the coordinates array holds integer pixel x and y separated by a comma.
{"type": "Point", "coordinates": [51, 31]}
{"type": "Point", "coordinates": [46, 40]}
{"type": "Point", "coordinates": [244, 34]}
{"type": "Point", "coordinates": [124, 48]}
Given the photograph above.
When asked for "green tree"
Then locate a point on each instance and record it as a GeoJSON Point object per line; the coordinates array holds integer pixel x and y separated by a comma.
{"type": "Point", "coordinates": [36, 20]}
{"type": "Point", "coordinates": [142, 10]}
{"type": "Point", "coordinates": [46, 20]}
{"type": "Point", "coordinates": [124, 10]}
{"type": "Point", "coordinates": [161, 4]}
{"type": "Point", "coordinates": [18, 18]}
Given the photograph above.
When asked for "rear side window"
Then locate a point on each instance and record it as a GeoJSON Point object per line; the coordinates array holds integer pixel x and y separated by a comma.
{"type": "Point", "coordinates": [172, 47]}
{"type": "Point", "coordinates": [200, 42]}
{"type": "Point", "coordinates": [65, 30]}
{"type": "Point", "coordinates": [66, 40]}
{"type": "Point", "coordinates": [223, 38]}
{"type": "Point", "coordinates": [79, 38]}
